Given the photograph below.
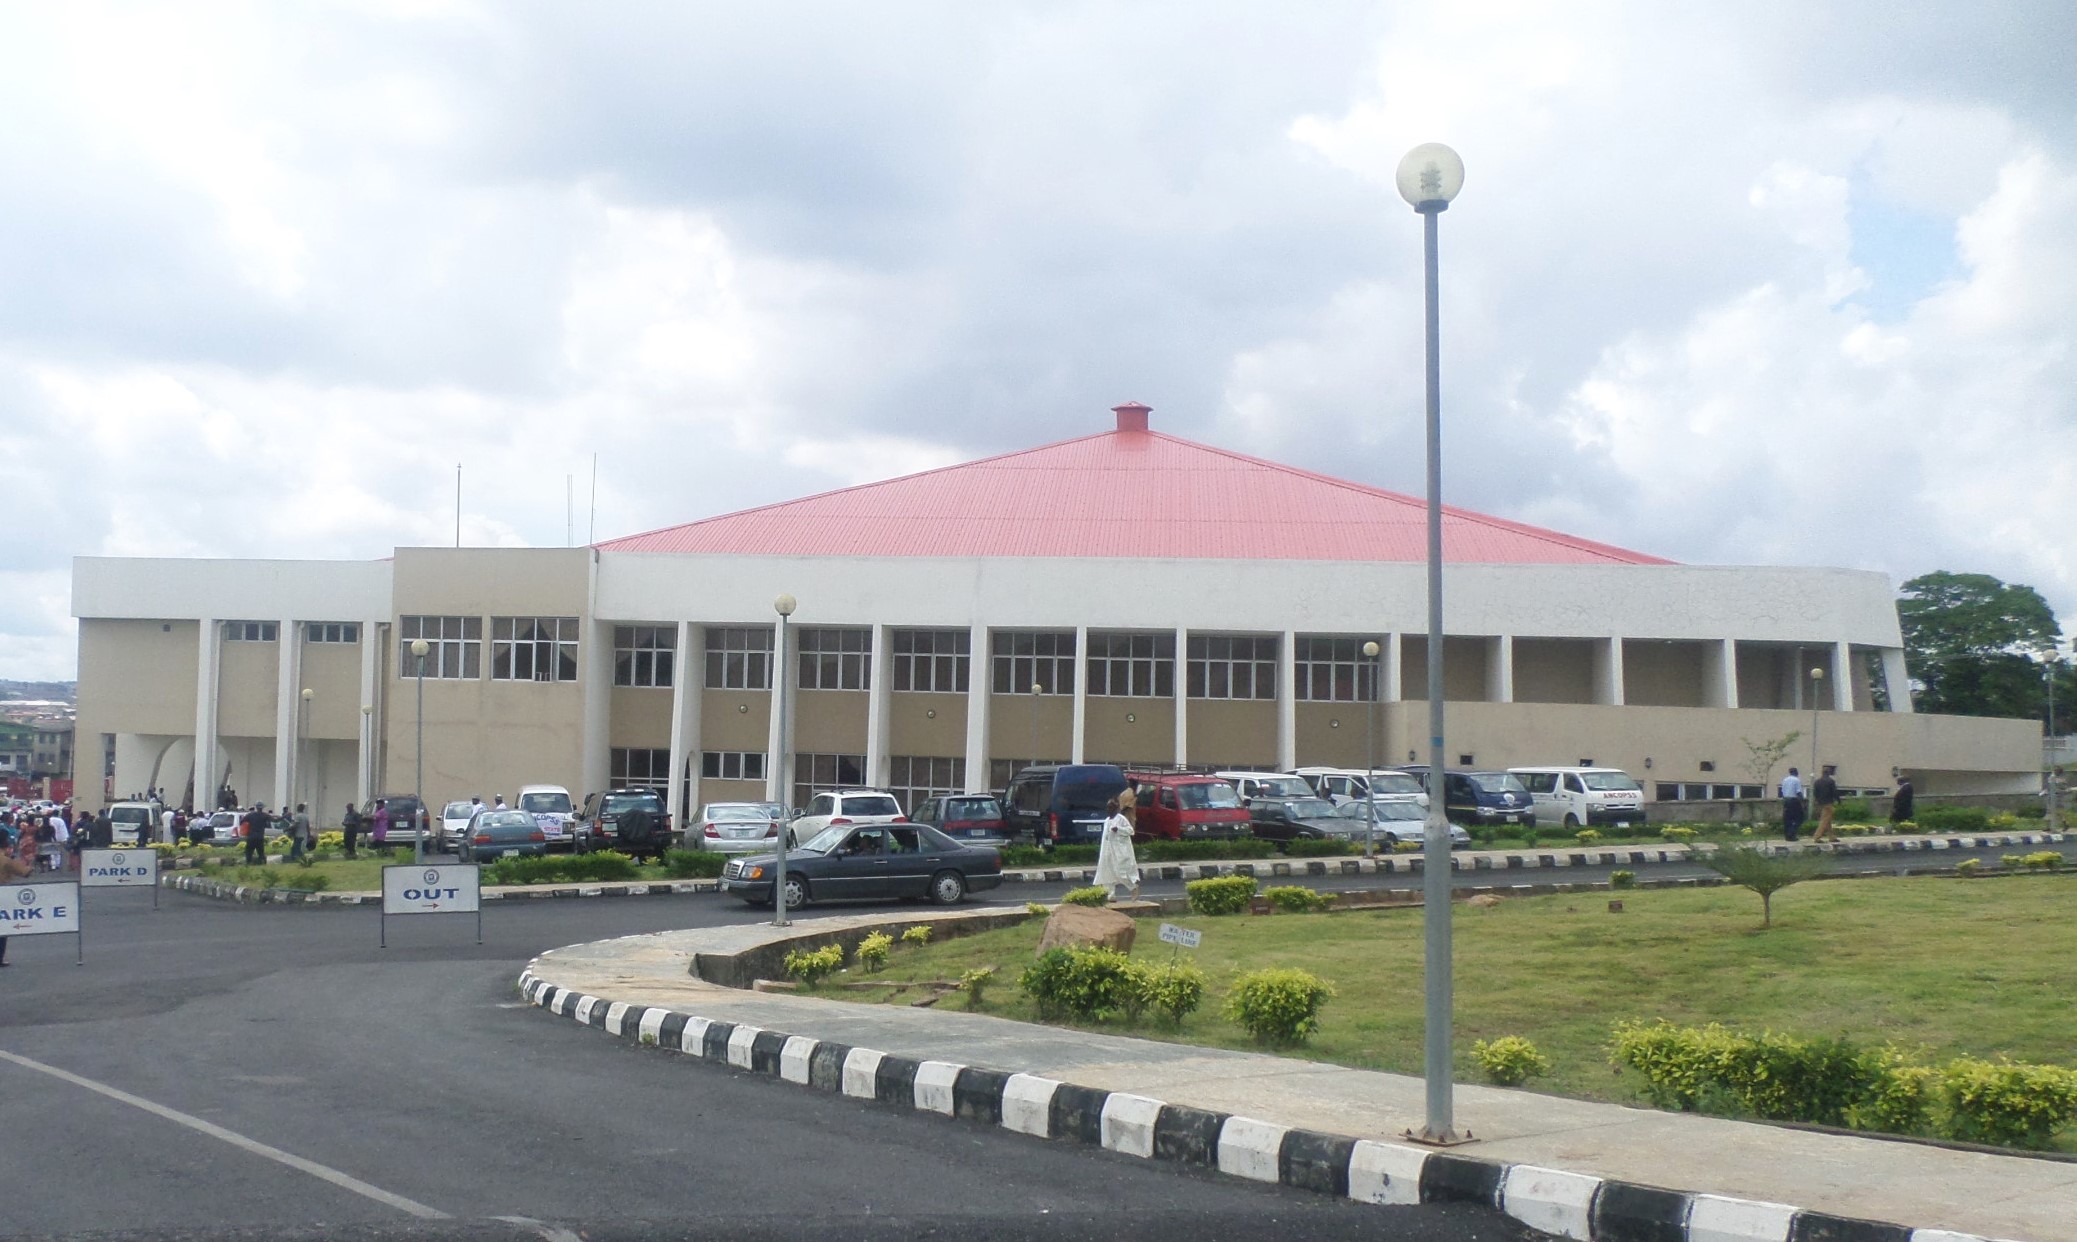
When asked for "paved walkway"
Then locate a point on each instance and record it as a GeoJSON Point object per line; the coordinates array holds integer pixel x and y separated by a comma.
{"type": "Point", "coordinates": [1917, 1186]}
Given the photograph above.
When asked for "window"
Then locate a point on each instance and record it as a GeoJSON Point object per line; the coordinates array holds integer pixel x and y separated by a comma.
{"type": "Point", "coordinates": [739, 658]}
{"type": "Point", "coordinates": [1027, 658]}
{"type": "Point", "coordinates": [456, 642]}
{"type": "Point", "coordinates": [533, 648]}
{"type": "Point", "coordinates": [643, 654]}
{"type": "Point", "coordinates": [332, 632]}
{"type": "Point", "coordinates": [931, 660]}
{"type": "Point", "coordinates": [833, 659]}
{"type": "Point", "coordinates": [641, 768]}
{"type": "Point", "coordinates": [812, 773]}
{"type": "Point", "coordinates": [1136, 666]}
{"type": "Point", "coordinates": [250, 631]}
{"type": "Point", "coordinates": [1335, 669]}
{"type": "Point", "coordinates": [1001, 770]}
{"type": "Point", "coordinates": [917, 777]}
{"type": "Point", "coordinates": [1232, 667]}
{"type": "Point", "coordinates": [732, 765]}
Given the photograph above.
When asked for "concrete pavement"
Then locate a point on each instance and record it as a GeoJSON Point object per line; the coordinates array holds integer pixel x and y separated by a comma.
{"type": "Point", "coordinates": [1748, 1181]}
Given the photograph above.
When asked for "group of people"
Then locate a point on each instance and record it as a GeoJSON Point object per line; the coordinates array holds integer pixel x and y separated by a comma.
{"type": "Point", "coordinates": [1824, 791]}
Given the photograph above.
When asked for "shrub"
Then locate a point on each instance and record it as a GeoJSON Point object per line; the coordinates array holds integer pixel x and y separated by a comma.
{"type": "Point", "coordinates": [1174, 991]}
{"type": "Point", "coordinates": [1961, 819]}
{"type": "Point", "coordinates": [1852, 811]}
{"type": "Point", "coordinates": [810, 965]}
{"type": "Point", "coordinates": [2046, 860]}
{"type": "Point", "coordinates": [1898, 1093]}
{"type": "Point", "coordinates": [1085, 896]}
{"type": "Point", "coordinates": [2002, 821]}
{"type": "Point", "coordinates": [333, 840]}
{"type": "Point", "coordinates": [1280, 1006]}
{"type": "Point", "coordinates": [1227, 894]}
{"type": "Point", "coordinates": [1060, 856]}
{"type": "Point", "coordinates": [1772, 1076]}
{"type": "Point", "coordinates": [2004, 1103]}
{"type": "Point", "coordinates": [1087, 982]}
{"type": "Point", "coordinates": [1320, 847]}
{"type": "Point", "coordinates": [1528, 833]}
{"type": "Point", "coordinates": [1587, 836]}
{"type": "Point", "coordinates": [974, 982]}
{"type": "Point", "coordinates": [919, 935]}
{"type": "Point", "coordinates": [2013, 862]}
{"type": "Point", "coordinates": [1295, 898]}
{"type": "Point", "coordinates": [1968, 866]}
{"type": "Point", "coordinates": [1198, 851]}
{"type": "Point", "coordinates": [2031, 811]}
{"type": "Point", "coordinates": [1764, 873]}
{"type": "Point", "coordinates": [1036, 908]}
{"type": "Point", "coordinates": [693, 864]}
{"type": "Point", "coordinates": [1622, 879]}
{"type": "Point", "coordinates": [1677, 833]}
{"type": "Point", "coordinates": [874, 949]}
{"type": "Point", "coordinates": [1510, 1060]}
{"type": "Point", "coordinates": [1406, 847]}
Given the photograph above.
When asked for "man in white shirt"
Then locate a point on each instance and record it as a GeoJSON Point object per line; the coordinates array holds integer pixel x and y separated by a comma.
{"type": "Point", "coordinates": [1793, 808]}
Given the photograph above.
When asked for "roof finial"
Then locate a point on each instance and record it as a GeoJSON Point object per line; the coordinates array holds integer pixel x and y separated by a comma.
{"type": "Point", "coordinates": [1132, 416]}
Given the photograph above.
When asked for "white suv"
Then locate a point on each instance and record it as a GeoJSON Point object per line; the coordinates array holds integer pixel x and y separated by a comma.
{"type": "Point", "coordinates": [1253, 785]}
{"type": "Point", "coordinates": [845, 806]}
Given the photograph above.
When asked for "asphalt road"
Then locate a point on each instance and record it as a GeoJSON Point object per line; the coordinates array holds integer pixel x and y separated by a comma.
{"type": "Point", "coordinates": [255, 1072]}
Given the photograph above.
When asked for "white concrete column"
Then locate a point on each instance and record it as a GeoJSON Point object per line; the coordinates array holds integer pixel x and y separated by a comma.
{"type": "Point", "coordinates": [207, 764]}
{"type": "Point", "coordinates": [595, 683]}
{"type": "Point", "coordinates": [288, 685]}
{"type": "Point", "coordinates": [1797, 672]}
{"type": "Point", "coordinates": [687, 672]}
{"type": "Point", "coordinates": [877, 702]}
{"type": "Point", "coordinates": [1897, 678]}
{"type": "Point", "coordinates": [1720, 673]}
{"type": "Point", "coordinates": [1390, 691]}
{"type": "Point", "coordinates": [1608, 672]}
{"type": "Point", "coordinates": [979, 679]}
{"type": "Point", "coordinates": [372, 638]}
{"type": "Point", "coordinates": [1182, 696]}
{"type": "Point", "coordinates": [1842, 677]}
{"type": "Point", "coordinates": [1074, 745]}
{"type": "Point", "coordinates": [1287, 701]}
{"type": "Point", "coordinates": [778, 769]}
{"type": "Point", "coordinates": [1500, 669]}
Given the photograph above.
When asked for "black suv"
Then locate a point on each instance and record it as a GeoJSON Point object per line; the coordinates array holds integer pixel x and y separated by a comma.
{"type": "Point", "coordinates": [1061, 803]}
{"type": "Point", "coordinates": [633, 821]}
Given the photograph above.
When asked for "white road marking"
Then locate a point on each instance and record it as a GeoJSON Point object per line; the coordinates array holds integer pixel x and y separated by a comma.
{"type": "Point", "coordinates": [335, 1177]}
{"type": "Point", "coordinates": [550, 1233]}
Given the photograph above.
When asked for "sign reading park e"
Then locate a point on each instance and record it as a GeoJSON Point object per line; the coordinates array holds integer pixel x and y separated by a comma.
{"type": "Point", "coordinates": [39, 909]}
{"type": "Point", "coordinates": [118, 868]}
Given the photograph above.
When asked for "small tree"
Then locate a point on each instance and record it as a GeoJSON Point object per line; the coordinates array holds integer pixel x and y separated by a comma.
{"type": "Point", "coordinates": [1764, 873]}
{"type": "Point", "coordinates": [1763, 757]}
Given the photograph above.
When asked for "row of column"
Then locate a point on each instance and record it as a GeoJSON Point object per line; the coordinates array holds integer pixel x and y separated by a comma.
{"type": "Point", "coordinates": [288, 701]}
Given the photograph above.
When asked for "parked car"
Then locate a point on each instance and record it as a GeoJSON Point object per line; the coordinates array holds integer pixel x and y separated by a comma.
{"type": "Point", "coordinates": [214, 828]}
{"type": "Point", "coordinates": [737, 827]}
{"type": "Point", "coordinates": [1061, 803]}
{"type": "Point", "coordinates": [1590, 797]}
{"type": "Point", "coordinates": [404, 811]}
{"type": "Point", "coordinates": [1287, 819]}
{"type": "Point", "coordinates": [1396, 822]}
{"type": "Point", "coordinates": [454, 823]}
{"type": "Point", "coordinates": [1481, 797]}
{"type": "Point", "coordinates": [1179, 806]}
{"type": "Point", "coordinates": [633, 821]}
{"type": "Point", "coordinates": [1253, 785]}
{"type": "Point", "coordinates": [494, 834]}
{"type": "Point", "coordinates": [1392, 785]}
{"type": "Point", "coordinates": [882, 861]}
{"type": "Point", "coordinates": [134, 822]}
{"type": "Point", "coordinates": [553, 809]}
{"type": "Point", "coordinates": [976, 819]}
{"type": "Point", "coordinates": [845, 806]}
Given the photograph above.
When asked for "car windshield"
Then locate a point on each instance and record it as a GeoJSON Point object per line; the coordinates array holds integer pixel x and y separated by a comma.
{"type": "Point", "coordinates": [871, 804]}
{"type": "Point", "coordinates": [1206, 796]}
{"type": "Point", "coordinates": [718, 812]}
{"type": "Point", "coordinates": [1393, 783]}
{"type": "Point", "coordinates": [828, 839]}
{"type": "Point", "coordinates": [616, 803]}
{"type": "Point", "coordinates": [972, 808]}
{"type": "Point", "coordinates": [545, 803]}
{"type": "Point", "coordinates": [1497, 782]}
{"type": "Point", "coordinates": [458, 810]}
{"type": "Point", "coordinates": [1603, 781]}
{"type": "Point", "coordinates": [505, 819]}
{"type": "Point", "coordinates": [1308, 808]}
{"type": "Point", "coordinates": [1284, 787]}
{"type": "Point", "coordinates": [129, 815]}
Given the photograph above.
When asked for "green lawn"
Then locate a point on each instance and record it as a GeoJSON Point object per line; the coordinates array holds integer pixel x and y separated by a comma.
{"type": "Point", "coordinates": [1978, 966]}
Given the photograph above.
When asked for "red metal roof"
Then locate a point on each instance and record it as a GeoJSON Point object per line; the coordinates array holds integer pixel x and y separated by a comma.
{"type": "Point", "coordinates": [1126, 493]}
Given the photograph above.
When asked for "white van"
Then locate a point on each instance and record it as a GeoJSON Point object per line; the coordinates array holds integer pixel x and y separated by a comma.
{"type": "Point", "coordinates": [1253, 785]}
{"type": "Point", "coordinates": [553, 811]}
{"type": "Point", "coordinates": [1583, 797]}
{"type": "Point", "coordinates": [1345, 785]}
{"type": "Point", "coordinates": [134, 823]}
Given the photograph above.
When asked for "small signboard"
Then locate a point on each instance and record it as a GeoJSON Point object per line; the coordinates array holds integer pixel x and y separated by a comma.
{"type": "Point", "coordinates": [126, 868]}
{"type": "Point", "coordinates": [1181, 937]}
{"type": "Point", "coordinates": [49, 909]}
{"type": "Point", "coordinates": [432, 888]}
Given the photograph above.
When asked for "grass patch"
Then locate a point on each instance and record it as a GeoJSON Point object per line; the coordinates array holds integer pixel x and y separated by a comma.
{"type": "Point", "coordinates": [1873, 960]}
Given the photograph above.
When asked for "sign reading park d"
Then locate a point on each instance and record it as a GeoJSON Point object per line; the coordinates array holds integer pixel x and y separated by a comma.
{"type": "Point", "coordinates": [431, 888]}
{"type": "Point", "coordinates": [1182, 937]}
{"type": "Point", "coordinates": [118, 868]}
{"type": "Point", "coordinates": [39, 909]}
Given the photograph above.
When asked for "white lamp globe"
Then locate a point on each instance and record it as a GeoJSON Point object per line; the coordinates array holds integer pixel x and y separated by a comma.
{"type": "Point", "coordinates": [1430, 176]}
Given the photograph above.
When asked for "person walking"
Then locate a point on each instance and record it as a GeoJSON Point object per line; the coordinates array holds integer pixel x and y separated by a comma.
{"type": "Point", "coordinates": [1793, 809]}
{"type": "Point", "coordinates": [300, 839]}
{"type": "Point", "coordinates": [1117, 866]}
{"type": "Point", "coordinates": [1900, 803]}
{"type": "Point", "coordinates": [350, 824]}
{"type": "Point", "coordinates": [378, 832]}
{"type": "Point", "coordinates": [1825, 791]}
{"type": "Point", "coordinates": [255, 824]}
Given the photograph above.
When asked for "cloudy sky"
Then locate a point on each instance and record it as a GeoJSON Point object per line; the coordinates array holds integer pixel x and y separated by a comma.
{"type": "Point", "coordinates": [1785, 283]}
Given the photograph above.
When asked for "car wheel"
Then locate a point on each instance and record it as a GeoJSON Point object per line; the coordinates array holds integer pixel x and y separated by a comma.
{"type": "Point", "coordinates": [948, 888]}
{"type": "Point", "coordinates": [1391, 841]}
{"type": "Point", "coordinates": [1571, 823]}
{"type": "Point", "coordinates": [796, 891]}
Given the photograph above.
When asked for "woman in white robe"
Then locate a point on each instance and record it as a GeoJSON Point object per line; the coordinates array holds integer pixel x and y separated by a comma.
{"type": "Point", "coordinates": [1117, 867]}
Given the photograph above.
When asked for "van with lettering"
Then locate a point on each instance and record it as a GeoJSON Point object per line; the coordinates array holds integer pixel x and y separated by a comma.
{"type": "Point", "coordinates": [1574, 798]}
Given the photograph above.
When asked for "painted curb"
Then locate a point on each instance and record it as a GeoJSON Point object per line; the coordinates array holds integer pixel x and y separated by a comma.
{"type": "Point", "coordinates": [217, 890]}
{"type": "Point", "coordinates": [1567, 1205]}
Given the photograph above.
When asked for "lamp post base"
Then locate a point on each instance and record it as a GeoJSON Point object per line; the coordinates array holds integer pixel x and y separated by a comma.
{"type": "Point", "coordinates": [1448, 1138]}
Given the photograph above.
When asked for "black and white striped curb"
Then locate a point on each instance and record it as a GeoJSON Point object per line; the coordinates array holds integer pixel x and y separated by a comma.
{"type": "Point", "coordinates": [1568, 1205]}
{"type": "Point", "coordinates": [1412, 864]}
{"type": "Point", "coordinates": [217, 890]}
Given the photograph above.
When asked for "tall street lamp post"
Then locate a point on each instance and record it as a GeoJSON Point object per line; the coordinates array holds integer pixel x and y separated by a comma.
{"type": "Point", "coordinates": [419, 648]}
{"type": "Point", "coordinates": [303, 748]}
{"type": "Point", "coordinates": [784, 606]}
{"type": "Point", "coordinates": [1430, 176]}
{"type": "Point", "coordinates": [367, 750]}
{"type": "Point", "coordinates": [1817, 699]}
{"type": "Point", "coordinates": [2051, 751]}
{"type": "Point", "coordinates": [1370, 653]}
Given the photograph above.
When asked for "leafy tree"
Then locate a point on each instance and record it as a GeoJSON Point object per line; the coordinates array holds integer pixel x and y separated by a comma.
{"type": "Point", "coordinates": [1977, 645]}
{"type": "Point", "coordinates": [1764, 873]}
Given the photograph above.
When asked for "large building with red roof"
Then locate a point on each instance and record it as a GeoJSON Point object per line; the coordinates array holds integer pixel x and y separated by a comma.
{"type": "Point", "coordinates": [1125, 595]}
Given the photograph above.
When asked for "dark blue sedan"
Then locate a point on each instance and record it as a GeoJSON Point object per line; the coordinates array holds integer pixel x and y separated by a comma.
{"type": "Point", "coordinates": [878, 862]}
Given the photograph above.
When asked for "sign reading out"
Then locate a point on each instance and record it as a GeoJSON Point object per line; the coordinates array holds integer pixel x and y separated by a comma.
{"type": "Point", "coordinates": [431, 888]}
{"type": "Point", "coordinates": [39, 909]}
{"type": "Point", "coordinates": [1181, 937]}
{"type": "Point", "coordinates": [118, 868]}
